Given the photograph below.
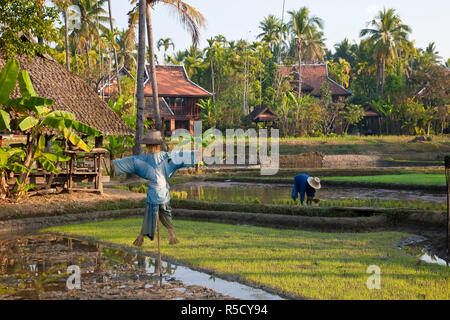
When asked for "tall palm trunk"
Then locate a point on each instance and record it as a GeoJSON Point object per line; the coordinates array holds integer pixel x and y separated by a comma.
{"type": "Point", "coordinates": [383, 67]}
{"type": "Point", "coordinates": [212, 81]}
{"type": "Point", "coordinates": [114, 48]}
{"type": "Point", "coordinates": [151, 58]}
{"type": "Point", "coordinates": [66, 23]}
{"type": "Point", "coordinates": [300, 47]}
{"type": "Point", "coordinates": [137, 149]}
{"type": "Point", "coordinates": [86, 48]}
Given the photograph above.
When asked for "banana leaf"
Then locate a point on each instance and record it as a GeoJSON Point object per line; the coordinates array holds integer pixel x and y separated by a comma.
{"type": "Point", "coordinates": [25, 85]}
{"type": "Point", "coordinates": [47, 164]}
{"type": "Point", "coordinates": [75, 140]}
{"type": "Point", "coordinates": [8, 78]}
{"type": "Point", "coordinates": [28, 122]}
{"type": "Point", "coordinates": [5, 120]}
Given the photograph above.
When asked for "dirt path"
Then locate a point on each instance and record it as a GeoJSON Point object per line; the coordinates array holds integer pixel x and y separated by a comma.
{"type": "Point", "coordinates": [76, 202]}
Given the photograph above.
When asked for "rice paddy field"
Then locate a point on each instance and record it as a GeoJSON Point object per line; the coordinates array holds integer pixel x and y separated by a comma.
{"type": "Point", "coordinates": [298, 264]}
{"type": "Point", "coordinates": [410, 178]}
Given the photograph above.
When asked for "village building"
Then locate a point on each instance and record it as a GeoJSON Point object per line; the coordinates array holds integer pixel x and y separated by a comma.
{"type": "Point", "coordinates": [262, 114]}
{"type": "Point", "coordinates": [313, 77]}
{"type": "Point", "coordinates": [71, 93]}
{"type": "Point", "coordinates": [178, 97]}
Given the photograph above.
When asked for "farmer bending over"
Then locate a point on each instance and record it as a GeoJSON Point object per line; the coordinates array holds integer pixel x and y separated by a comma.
{"type": "Point", "coordinates": [158, 167]}
{"type": "Point", "coordinates": [305, 184]}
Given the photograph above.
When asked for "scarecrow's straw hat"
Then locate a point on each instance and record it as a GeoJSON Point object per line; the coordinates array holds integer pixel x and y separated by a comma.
{"type": "Point", "coordinates": [314, 182]}
{"type": "Point", "coordinates": [153, 136]}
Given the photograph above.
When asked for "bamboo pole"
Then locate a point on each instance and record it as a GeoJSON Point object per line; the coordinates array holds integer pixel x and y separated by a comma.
{"type": "Point", "coordinates": [447, 176]}
{"type": "Point", "coordinates": [159, 250]}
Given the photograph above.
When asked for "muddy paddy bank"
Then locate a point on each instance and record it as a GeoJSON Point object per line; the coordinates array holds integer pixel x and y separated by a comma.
{"type": "Point", "coordinates": [36, 267]}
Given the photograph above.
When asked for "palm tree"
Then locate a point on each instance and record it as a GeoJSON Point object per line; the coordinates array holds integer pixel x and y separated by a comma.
{"type": "Point", "coordinates": [92, 19]}
{"type": "Point", "coordinates": [210, 52]}
{"type": "Point", "coordinates": [63, 6]}
{"type": "Point", "coordinates": [271, 28]}
{"type": "Point", "coordinates": [314, 46]}
{"type": "Point", "coordinates": [114, 47]}
{"type": "Point", "coordinates": [344, 50]}
{"type": "Point", "coordinates": [388, 34]}
{"type": "Point", "coordinates": [303, 26]}
{"type": "Point", "coordinates": [432, 53]}
{"type": "Point", "coordinates": [137, 149]}
{"type": "Point", "coordinates": [165, 43]}
{"type": "Point", "coordinates": [190, 18]}
{"type": "Point", "coordinates": [127, 47]}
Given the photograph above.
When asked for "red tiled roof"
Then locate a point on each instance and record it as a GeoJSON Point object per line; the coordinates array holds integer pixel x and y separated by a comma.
{"type": "Point", "coordinates": [313, 75]}
{"type": "Point", "coordinates": [173, 81]}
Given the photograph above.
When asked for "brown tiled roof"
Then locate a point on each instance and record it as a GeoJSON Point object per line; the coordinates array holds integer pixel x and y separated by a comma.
{"type": "Point", "coordinates": [70, 93]}
{"type": "Point", "coordinates": [313, 75]}
{"type": "Point", "coordinates": [173, 81]}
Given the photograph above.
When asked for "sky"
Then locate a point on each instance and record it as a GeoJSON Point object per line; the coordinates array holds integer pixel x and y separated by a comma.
{"type": "Point", "coordinates": [239, 19]}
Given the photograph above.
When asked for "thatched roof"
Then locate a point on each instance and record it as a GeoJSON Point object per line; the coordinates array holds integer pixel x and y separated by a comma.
{"type": "Point", "coordinates": [262, 114]}
{"type": "Point", "coordinates": [70, 93]}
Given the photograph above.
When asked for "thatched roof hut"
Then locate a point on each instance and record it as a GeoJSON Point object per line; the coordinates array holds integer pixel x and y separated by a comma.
{"type": "Point", "coordinates": [70, 93]}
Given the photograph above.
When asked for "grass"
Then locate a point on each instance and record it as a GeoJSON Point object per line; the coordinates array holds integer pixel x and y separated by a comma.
{"type": "Point", "coordinates": [312, 265]}
{"type": "Point", "coordinates": [362, 145]}
{"type": "Point", "coordinates": [410, 178]}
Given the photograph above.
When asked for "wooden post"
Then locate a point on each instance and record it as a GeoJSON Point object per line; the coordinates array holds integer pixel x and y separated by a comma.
{"type": "Point", "coordinates": [99, 141]}
{"type": "Point", "coordinates": [100, 173]}
{"type": "Point", "coordinates": [70, 172]}
{"type": "Point", "coordinates": [172, 125]}
{"type": "Point", "coordinates": [191, 127]}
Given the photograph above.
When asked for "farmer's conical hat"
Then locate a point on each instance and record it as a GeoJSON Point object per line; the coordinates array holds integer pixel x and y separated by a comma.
{"type": "Point", "coordinates": [153, 136]}
{"type": "Point", "coordinates": [314, 182]}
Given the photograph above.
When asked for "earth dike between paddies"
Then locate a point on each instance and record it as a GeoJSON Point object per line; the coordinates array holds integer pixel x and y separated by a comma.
{"type": "Point", "coordinates": [278, 216]}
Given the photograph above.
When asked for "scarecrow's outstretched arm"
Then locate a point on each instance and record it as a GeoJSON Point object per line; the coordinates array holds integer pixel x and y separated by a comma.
{"type": "Point", "coordinates": [180, 159]}
{"type": "Point", "coordinates": [133, 165]}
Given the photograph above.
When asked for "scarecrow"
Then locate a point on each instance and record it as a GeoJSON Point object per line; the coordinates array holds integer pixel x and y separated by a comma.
{"type": "Point", "coordinates": [305, 184]}
{"type": "Point", "coordinates": [156, 166]}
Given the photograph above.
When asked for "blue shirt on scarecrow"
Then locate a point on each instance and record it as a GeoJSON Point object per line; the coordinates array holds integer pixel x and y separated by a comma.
{"type": "Point", "coordinates": [157, 167]}
{"type": "Point", "coordinates": [303, 184]}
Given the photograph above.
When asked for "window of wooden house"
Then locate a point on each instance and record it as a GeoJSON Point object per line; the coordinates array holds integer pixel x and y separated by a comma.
{"type": "Point", "coordinates": [180, 102]}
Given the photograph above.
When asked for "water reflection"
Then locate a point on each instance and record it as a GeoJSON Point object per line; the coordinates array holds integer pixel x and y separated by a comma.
{"type": "Point", "coordinates": [36, 268]}
{"type": "Point", "coordinates": [267, 193]}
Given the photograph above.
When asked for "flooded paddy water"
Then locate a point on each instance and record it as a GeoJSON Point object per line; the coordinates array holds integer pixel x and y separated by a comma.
{"type": "Point", "coordinates": [36, 267]}
{"type": "Point", "coordinates": [267, 193]}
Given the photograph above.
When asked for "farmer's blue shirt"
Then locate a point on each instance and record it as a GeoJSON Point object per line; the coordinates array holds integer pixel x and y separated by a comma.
{"type": "Point", "coordinates": [302, 186]}
{"type": "Point", "coordinates": [158, 168]}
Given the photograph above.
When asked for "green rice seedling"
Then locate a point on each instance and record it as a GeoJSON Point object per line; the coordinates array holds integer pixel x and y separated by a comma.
{"type": "Point", "coordinates": [256, 200]}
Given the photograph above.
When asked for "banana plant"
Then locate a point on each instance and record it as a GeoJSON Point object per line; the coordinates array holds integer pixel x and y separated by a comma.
{"type": "Point", "coordinates": [115, 147]}
{"type": "Point", "coordinates": [9, 162]}
{"type": "Point", "coordinates": [34, 118]}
